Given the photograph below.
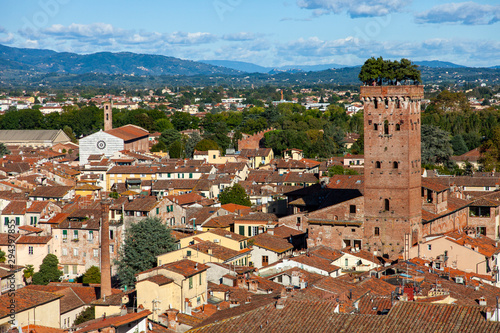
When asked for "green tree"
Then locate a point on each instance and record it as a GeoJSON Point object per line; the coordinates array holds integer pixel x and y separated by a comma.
{"type": "Point", "coordinates": [92, 275]}
{"type": "Point", "coordinates": [69, 132]}
{"type": "Point", "coordinates": [49, 271]}
{"type": "Point", "coordinates": [458, 145]}
{"type": "Point", "coordinates": [85, 315]}
{"type": "Point", "coordinates": [235, 194]}
{"type": "Point", "coordinates": [436, 146]}
{"type": "Point", "coordinates": [206, 144]}
{"type": "Point", "coordinates": [163, 124]}
{"type": "Point", "coordinates": [2, 256]}
{"type": "Point", "coordinates": [175, 149]}
{"type": "Point", "coordinates": [339, 170]}
{"type": "Point", "coordinates": [158, 147]}
{"type": "Point", "coordinates": [143, 242]}
{"type": "Point", "coordinates": [4, 150]}
{"type": "Point", "coordinates": [191, 143]}
{"type": "Point", "coordinates": [169, 136]}
{"type": "Point", "coordinates": [28, 272]}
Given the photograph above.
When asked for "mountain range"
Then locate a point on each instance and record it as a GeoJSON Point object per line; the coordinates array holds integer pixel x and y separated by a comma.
{"type": "Point", "coordinates": [35, 67]}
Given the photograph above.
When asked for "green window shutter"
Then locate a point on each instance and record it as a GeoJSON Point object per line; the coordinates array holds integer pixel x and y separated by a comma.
{"type": "Point", "coordinates": [6, 221]}
{"type": "Point", "coordinates": [188, 253]}
{"type": "Point", "coordinates": [18, 221]}
{"type": "Point", "coordinates": [191, 282]}
{"type": "Point", "coordinates": [200, 278]}
{"type": "Point", "coordinates": [35, 219]}
{"type": "Point", "coordinates": [242, 230]}
{"type": "Point", "coordinates": [31, 220]}
{"type": "Point", "coordinates": [157, 210]}
{"type": "Point", "coordinates": [190, 175]}
{"type": "Point", "coordinates": [65, 232]}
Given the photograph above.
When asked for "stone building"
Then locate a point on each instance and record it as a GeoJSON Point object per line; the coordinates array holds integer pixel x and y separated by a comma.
{"type": "Point", "coordinates": [392, 202]}
{"type": "Point", "coordinates": [388, 209]}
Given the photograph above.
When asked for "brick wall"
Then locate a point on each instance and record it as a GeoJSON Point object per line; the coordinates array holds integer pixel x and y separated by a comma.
{"type": "Point", "coordinates": [252, 141]}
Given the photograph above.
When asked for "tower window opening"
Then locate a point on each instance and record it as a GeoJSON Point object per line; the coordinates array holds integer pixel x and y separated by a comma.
{"type": "Point", "coordinates": [375, 103]}
{"type": "Point", "coordinates": [107, 116]}
{"type": "Point", "coordinates": [386, 127]}
{"type": "Point", "coordinates": [398, 103]}
{"type": "Point", "coordinates": [395, 164]}
{"type": "Point", "coordinates": [375, 127]}
{"type": "Point", "coordinates": [398, 127]}
{"type": "Point", "coordinates": [376, 231]}
{"type": "Point", "coordinates": [386, 103]}
{"type": "Point", "coordinates": [386, 205]}
{"type": "Point", "coordinates": [378, 164]}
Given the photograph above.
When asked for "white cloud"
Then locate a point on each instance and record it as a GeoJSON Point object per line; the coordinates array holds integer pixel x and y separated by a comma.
{"type": "Point", "coordinates": [240, 36]}
{"type": "Point", "coordinates": [362, 8]}
{"type": "Point", "coordinates": [190, 38]}
{"type": "Point", "coordinates": [469, 13]}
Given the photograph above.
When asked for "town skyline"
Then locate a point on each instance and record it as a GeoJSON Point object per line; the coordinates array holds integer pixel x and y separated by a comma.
{"type": "Point", "coordinates": [303, 32]}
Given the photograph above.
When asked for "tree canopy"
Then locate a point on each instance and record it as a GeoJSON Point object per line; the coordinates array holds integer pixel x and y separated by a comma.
{"type": "Point", "coordinates": [92, 275]}
{"type": "Point", "coordinates": [143, 242]}
{"type": "Point", "coordinates": [235, 194]}
{"type": "Point", "coordinates": [436, 146]}
{"type": "Point", "coordinates": [379, 71]}
{"type": "Point", "coordinates": [49, 271]}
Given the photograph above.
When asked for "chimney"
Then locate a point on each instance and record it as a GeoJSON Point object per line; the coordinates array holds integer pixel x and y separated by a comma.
{"type": "Point", "coordinates": [105, 257]}
{"type": "Point", "coordinates": [172, 318]}
{"type": "Point", "coordinates": [482, 301]}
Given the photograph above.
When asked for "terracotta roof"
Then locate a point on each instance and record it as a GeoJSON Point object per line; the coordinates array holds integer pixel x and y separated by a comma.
{"type": "Point", "coordinates": [25, 299]}
{"type": "Point", "coordinates": [27, 239]}
{"type": "Point", "coordinates": [184, 267]}
{"type": "Point", "coordinates": [15, 207]}
{"type": "Point", "coordinates": [224, 221]}
{"type": "Point", "coordinates": [176, 184]}
{"type": "Point", "coordinates": [115, 322]}
{"type": "Point", "coordinates": [217, 251]}
{"type": "Point", "coordinates": [6, 238]}
{"type": "Point", "coordinates": [285, 231]}
{"type": "Point", "coordinates": [481, 244]}
{"type": "Point", "coordinates": [431, 184]}
{"type": "Point", "coordinates": [37, 206]}
{"type": "Point", "coordinates": [41, 329]}
{"type": "Point", "coordinates": [273, 243]}
{"type": "Point", "coordinates": [317, 262]}
{"type": "Point", "coordinates": [50, 191]}
{"type": "Point", "coordinates": [231, 207]}
{"type": "Point", "coordinates": [58, 218]}
{"type": "Point", "coordinates": [227, 234]}
{"type": "Point", "coordinates": [128, 132]}
{"type": "Point", "coordinates": [159, 279]}
{"type": "Point", "coordinates": [133, 169]}
{"type": "Point", "coordinates": [187, 198]}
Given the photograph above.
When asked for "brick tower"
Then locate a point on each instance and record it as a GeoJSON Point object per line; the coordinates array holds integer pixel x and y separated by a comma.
{"type": "Point", "coordinates": [108, 115]}
{"type": "Point", "coordinates": [392, 197]}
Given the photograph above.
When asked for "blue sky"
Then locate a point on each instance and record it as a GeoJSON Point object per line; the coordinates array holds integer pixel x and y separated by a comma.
{"type": "Point", "coordinates": [267, 33]}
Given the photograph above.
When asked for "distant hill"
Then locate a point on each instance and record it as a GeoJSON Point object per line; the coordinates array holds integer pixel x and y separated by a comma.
{"type": "Point", "coordinates": [238, 65]}
{"type": "Point", "coordinates": [253, 68]}
{"type": "Point", "coordinates": [46, 61]}
{"type": "Point", "coordinates": [438, 64]}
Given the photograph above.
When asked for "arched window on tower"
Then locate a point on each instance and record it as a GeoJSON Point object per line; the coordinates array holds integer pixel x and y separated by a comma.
{"type": "Point", "coordinates": [378, 164]}
{"type": "Point", "coordinates": [107, 116]}
{"type": "Point", "coordinates": [398, 127]}
{"type": "Point", "coordinates": [375, 103]}
{"type": "Point", "coordinates": [395, 164]}
{"type": "Point", "coordinates": [386, 127]}
{"type": "Point", "coordinates": [376, 231]}
{"type": "Point", "coordinates": [386, 103]}
{"type": "Point", "coordinates": [398, 103]}
{"type": "Point", "coordinates": [387, 205]}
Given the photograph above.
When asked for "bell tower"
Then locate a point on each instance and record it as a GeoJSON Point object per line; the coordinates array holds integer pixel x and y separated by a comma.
{"type": "Point", "coordinates": [392, 196]}
{"type": "Point", "coordinates": [108, 115]}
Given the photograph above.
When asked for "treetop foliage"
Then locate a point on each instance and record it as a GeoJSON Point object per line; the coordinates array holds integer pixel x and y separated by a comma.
{"type": "Point", "coordinates": [143, 242]}
{"type": "Point", "coordinates": [49, 271]}
{"type": "Point", "coordinates": [379, 71]}
{"type": "Point", "coordinates": [235, 194]}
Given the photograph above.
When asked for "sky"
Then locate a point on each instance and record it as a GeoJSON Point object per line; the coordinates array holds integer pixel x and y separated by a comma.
{"type": "Point", "coordinates": [264, 32]}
